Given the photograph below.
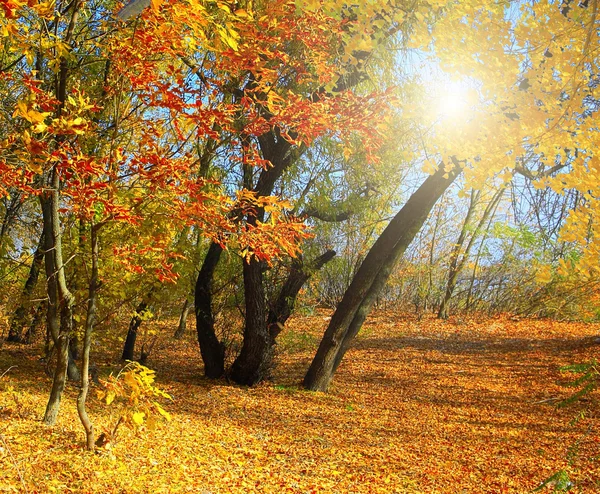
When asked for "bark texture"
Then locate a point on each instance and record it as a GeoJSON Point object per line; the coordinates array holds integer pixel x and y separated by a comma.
{"type": "Point", "coordinates": [300, 273]}
{"type": "Point", "coordinates": [87, 343]}
{"type": "Point", "coordinates": [19, 319]}
{"type": "Point", "coordinates": [182, 324]}
{"type": "Point", "coordinates": [132, 331]}
{"type": "Point", "coordinates": [372, 276]}
{"type": "Point", "coordinates": [254, 362]}
{"type": "Point", "coordinates": [211, 349]}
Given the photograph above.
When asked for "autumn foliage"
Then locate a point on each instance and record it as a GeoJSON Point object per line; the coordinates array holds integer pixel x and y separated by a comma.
{"type": "Point", "coordinates": [242, 161]}
{"type": "Point", "coordinates": [421, 406]}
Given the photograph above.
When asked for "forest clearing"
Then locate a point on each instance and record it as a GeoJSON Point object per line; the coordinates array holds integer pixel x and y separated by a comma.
{"type": "Point", "coordinates": [419, 407]}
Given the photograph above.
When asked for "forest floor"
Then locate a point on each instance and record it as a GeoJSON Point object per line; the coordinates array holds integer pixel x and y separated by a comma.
{"type": "Point", "coordinates": [464, 406]}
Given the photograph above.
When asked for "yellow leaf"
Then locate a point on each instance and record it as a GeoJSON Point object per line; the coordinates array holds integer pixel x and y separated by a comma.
{"type": "Point", "coordinates": [162, 411]}
{"type": "Point", "coordinates": [110, 397]}
{"type": "Point", "coordinates": [156, 4]}
{"type": "Point", "coordinates": [543, 275]}
{"type": "Point", "coordinates": [40, 127]}
{"type": "Point", "coordinates": [138, 418]}
{"type": "Point", "coordinates": [151, 423]}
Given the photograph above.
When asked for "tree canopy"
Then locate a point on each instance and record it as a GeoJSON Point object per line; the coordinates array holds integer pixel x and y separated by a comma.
{"type": "Point", "coordinates": [224, 151]}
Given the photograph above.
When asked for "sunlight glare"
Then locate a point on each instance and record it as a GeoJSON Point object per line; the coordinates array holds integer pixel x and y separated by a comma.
{"type": "Point", "coordinates": [452, 102]}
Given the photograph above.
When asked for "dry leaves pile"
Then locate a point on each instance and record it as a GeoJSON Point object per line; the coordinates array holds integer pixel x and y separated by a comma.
{"type": "Point", "coordinates": [417, 406]}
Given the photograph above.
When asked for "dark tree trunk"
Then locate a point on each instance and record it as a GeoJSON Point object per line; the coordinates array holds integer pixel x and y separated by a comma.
{"type": "Point", "coordinates": [35, 324]}
{"type": "Point", "coordinates": [372, 276]}
{"type": "Point", "coordinates": [182, 325]}
{"type": "Point", "coordinates": [254, 362]}
{"type": "Point", "coordinates": [284, 305]}
{"type": "Point", "coordinates": [134, 325]}
{"type": "Point", "coordinates": [19, 318]}
{"type": "Point", "coordinates": [211, 349]}
{"type": "Point", "coordinates": [72, 370]}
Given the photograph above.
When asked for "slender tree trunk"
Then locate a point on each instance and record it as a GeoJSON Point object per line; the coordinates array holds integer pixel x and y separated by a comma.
{"type": "Point", "coordinates": [60, 300]}
{"type": "Point", "coordinates": [284, 305]}
{"type": "Point", "coordinates": [372, 276]}
{"type": "Point", "coordinates": [35, 323]}
{"type": "Point", "coordinates": [468, 305]}
{"type": "Point", "coordinates": [62, 305]}
{"type": "Point", "coordinates": [87, 342]}
{"type": "Point", "coordinates": [181, 326]}
{"type": "Point", "coordinates": [134, 325]}
{"type": "Point", "coordinates": [254, 362]}
{"type": "Point", "coordinates": [438, 217]}
{"type": "Point", "coordinates": [19, 318]}
{"type": "Point", "coordinates": [72, 370]}
{"type": "Point", "coordinates": [453, 269]}
{"type": "Point", "coordinates": [456, 267]}
{"type": "Point", "coordinates": [211, 349]}
{"type": "Point", "coordinates": [59, 379]}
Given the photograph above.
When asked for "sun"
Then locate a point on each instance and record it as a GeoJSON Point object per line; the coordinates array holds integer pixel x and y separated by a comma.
{"type": "Point", "coordinates": [452, 103]}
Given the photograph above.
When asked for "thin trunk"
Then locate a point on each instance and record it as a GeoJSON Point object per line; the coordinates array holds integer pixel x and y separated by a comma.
{"type": "Point", "coordinates": [87, 341]}
{"type": "Point", "coordinates": [211, 349]}
{"type": "Point", "coordinates": [284, 305]}
{"type": "Point", "coordinates": [59, 379]}
{"type": "Point", "coordinates": [72, 370]}
{"type": "Point", "coordinates": [181, 326]}
{"type": "Point", "coordinates": [60, 335]}
{"type": "Point", "coordinates": [19, 318]}
{"type": "Point", "coordinates": [454, 255]}
{"type": "Point", "coordinates": [35, 324]}
{"type": "Point", "coordinates": [134, 325]}
{"type": "Point", "coordinates": [438, 217]}
{"type": "Point", "coordinates": [468, 305]}
{"type": "Point", "coordinates": [62, 305]}
{"type": "Point", "coordinates": [457, 267]}
{"type": "Point", "coordinates": [372, 276]}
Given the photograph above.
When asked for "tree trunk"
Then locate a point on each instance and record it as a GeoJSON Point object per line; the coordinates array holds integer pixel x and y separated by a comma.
{"type": "Point", "coordinates": [452, 270]}
{"type": "Point", "coordinates": [372, 276]}
{"type": "Point", "coordinates": [456, 267]}
{"type": "Point", "coordinates": [19, 318]}
{"type": "Point", "coordinates": [35, 324]}
{"type": "Point", "coordinates": [59, 379]}
{"type": "Point", "coordinates": [284, 305]}
{"type": "Point", "coordinates": [134, 325]}
{"type": "Point", "coordinates": [72, 370]}
{"type": "Point", "coordinates": [87, 342]}
{"type": "Point", "coordinates": [254, 362]}
{"type": "Point", "coordinates": [181, 326]}
{"type": "Point", "coordinates": [211, 349]}
{"type": "Point", "coordinates": [60, 300]}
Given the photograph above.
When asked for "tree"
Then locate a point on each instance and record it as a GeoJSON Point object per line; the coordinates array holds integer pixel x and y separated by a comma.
{"type": "Point", "coordinates": [85, 134]}
{"type": "Point", "coordinates": [503, 110]}
{"type": "Point", "coordinates": [372, 276]}
{"type": "Point", "coordinates": [457, 262]}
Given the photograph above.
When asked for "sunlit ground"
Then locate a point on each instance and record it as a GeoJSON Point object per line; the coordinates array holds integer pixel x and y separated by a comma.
{"type": "Point", "coordinates": [417, 407]}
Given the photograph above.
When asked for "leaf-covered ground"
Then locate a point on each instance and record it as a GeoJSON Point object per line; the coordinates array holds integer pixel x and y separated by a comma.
{"type": "Point", "coordinates": [417, 406]}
